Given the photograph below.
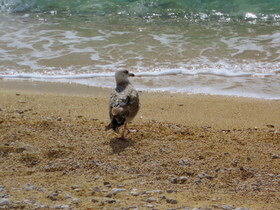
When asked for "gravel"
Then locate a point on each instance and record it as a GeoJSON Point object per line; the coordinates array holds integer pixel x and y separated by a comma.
{"type": "Point", "coordinates": [4, 202]}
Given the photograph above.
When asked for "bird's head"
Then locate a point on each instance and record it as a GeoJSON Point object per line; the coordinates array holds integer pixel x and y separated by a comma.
{"type": "Point", "coordinates": [122, 76]}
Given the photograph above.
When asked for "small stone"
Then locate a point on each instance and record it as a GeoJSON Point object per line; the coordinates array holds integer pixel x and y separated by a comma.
{"type": "Point", "coordinates": [4, 202]}
{"type": "Point", "coordinates": [75, 187]}
{"type": "Point", "coordinates": [183, 179]}
{"type": "Point", "coordinates": [227, 207]}
{"type": "Point", "coordinates": [117, 190]}
{"type": "Point", "coordinates": [65, 206]}
{"type": "Point", "coordinates": [76, 201]}
{"type": "Point", "coordinates": [171, 201]}
{"type": "Point", "coordinates": [162, 197]}
{"type": "Point", "coordinates": [94, 200]}
{"type": "Point", "coordinates": [197, 181]}
{"type": "Point", "coordinates": [146, 192]}
{"type": "Point", "coordinates": [274, 156]}
{"type": "Point", "coordinates": [270, 126]}
{"type": "Point", "coordinates": [184, 162]}
{"type": "Point", "coordinates": [170, 191]}
{"type": "Point", "coordinates": [52, 197]}
{"type": "Point", "coordinates": [151, 199]}
{"type": "Point", "coordinates": [77, 190]}
{"type": "Point", "coordinates": [106, 183]}
{"type": "Point", "coordinates": [174, 180]}
{"type": "Point", "coordinates": [158, 191]}
{"type": "Point", "coordinates": [150, 206]}
{"type": "Point", "coordinates": [109, 195]}
{"type": "Point", "coordinates": [97, 177]}
{"type": "Point", "coordinates": [134, 192]}
{"type": "Point", "coordinates": [111, 201]}
{"type": "Point", "coordinates": [29, 187]}
{"type": "Point", "coordinates": [43, 206]}
{"type": "Point", "coordinates": [67, 196]}
{"type": "Point", "coordinates": [205, 175]}
{"type": "Point", "coordinates": [96, 189]}
{"type": "Point", "coordinates": [241, 209]}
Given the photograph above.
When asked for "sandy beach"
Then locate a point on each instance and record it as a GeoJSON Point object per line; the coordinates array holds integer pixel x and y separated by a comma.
{"type": "Point", "coordinates": [189, 150]}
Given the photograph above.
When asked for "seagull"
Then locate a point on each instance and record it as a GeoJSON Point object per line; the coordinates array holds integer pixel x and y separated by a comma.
{"type": "Point", "coordinates": [124, 103]}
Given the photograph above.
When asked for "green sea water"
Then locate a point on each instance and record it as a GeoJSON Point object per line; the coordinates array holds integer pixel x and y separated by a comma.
{"type": "Point", "coordinates": [145, 8]}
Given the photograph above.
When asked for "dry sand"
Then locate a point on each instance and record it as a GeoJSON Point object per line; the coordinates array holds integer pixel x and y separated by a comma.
{"type": "Point", "coordinates": [188, 151]}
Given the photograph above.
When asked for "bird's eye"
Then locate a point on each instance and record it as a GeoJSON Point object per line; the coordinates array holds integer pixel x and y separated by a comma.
{"type": "Point", "coordinates": [126, 72]}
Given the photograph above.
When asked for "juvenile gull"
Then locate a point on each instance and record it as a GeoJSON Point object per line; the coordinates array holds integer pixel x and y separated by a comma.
{"type": "Point", "coordinates": [124, 103]}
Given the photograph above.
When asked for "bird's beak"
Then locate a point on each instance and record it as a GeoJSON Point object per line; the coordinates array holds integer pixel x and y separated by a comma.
{"type": "Point", "coordinates": [131, 75]}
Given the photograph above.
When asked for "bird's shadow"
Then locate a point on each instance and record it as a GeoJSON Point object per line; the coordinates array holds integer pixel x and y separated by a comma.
{"type": "Point", "coordinates": [119, 145]}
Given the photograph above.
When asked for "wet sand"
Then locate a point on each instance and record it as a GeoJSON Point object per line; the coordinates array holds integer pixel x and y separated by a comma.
{"type": "Point", "coordinates": [197, 150]}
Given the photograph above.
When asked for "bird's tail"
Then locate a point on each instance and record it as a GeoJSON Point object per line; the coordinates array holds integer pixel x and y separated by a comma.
{"type": "Point", "coordinates": [115, 124]}
{"type": "Point", "coordinates": [108, 127]}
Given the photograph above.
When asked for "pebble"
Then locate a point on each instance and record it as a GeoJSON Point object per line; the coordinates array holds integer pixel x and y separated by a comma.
{"type": "Point", "coordinates": [117, 190]}
{"type": "Point", "coordinates": [29, 187]}
{"type": "Point", "coordinates": [170, 191]}
{"type": "Point", "coordinates": [97, 177]}
{"type": "Point", "coordinates": [205, 175]}
{"type": "Point", "coordinates": [111, 201]}
{"type": "Point", "coordinates": [67, 196]}
{"type": "Point", "coordinates": [158, 191]}
{"type": "Point", "coordinates": [184, 162]}
{"type": "Point", "coordinates": [274, 156]}
{"type": "Point", "coordinates": [4, 202]}
{"type": "Point", "coordinates": [183, 179]}
{"type": "Point", "coordinates": [241, 209]}
{"type": "Point", "coordinates": [75, 187]}
{"type": "Point", "coordinates": [76, 201]}
{"type": "Point", "coordinates": [174, 180]}
{"type": "Point", "coordinates": [94, 200]}
{"type": "Point", "coordinates": [162, 197]}
{"type": "Point", "coordinates": [22, 102]}
{"type": "Point", "coordinates": [109, 195]}
{"type": "Point", "coordinates": [53, 197]}
{"type": "Point", "coordinates": [146, 192]}
{"type": "Point", "coordinates": [151, 199]}
{"type": "Point", "coordinates": [150, 206]}
{"type": "Point", "coordinates": [106, 183]}
{"type": "Point", "coordinates": [65, 206]}
{"type": "Point", "coordinates": [134, 192]}
{"type": "Point", "coordinates": [227, 207]}
{"type": "Point", "coordinates": [171, 201]}
{"type": "Point", "coordinates": [1, 188]}
{"type": "Point", "coordinates": [96, 189]}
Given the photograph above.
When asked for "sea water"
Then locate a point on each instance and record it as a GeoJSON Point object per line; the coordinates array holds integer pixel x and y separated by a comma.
{"type": "Point", "coordinates": [193, 46]}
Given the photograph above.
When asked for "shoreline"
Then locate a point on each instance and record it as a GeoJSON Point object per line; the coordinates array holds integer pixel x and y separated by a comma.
{"type": "Point", "coordinates": [225, 112]}
{"type": "Point", "coordinates": [72, 86]}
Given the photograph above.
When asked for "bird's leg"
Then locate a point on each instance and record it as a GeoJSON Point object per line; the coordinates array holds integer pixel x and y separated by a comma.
{"type": "Point", "coordinates": [123, 132]}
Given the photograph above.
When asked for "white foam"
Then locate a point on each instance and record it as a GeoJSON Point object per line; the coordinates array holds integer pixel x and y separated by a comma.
{"type": "Point", "coordinates": [218, 73]}
{"type": "Point", "coordinates": [249, 15]}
